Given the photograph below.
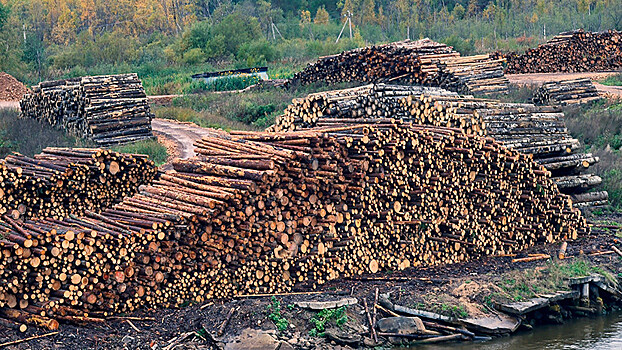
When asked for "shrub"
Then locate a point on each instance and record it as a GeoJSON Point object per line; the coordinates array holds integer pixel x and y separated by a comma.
{"type": "Point", "coordinates": [194, 56]}
{"type": "Point", "coordinates": [257, 52]}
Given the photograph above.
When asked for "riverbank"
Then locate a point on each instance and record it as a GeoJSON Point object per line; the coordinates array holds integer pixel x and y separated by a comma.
{"type": "Point", "coordinates": [334, 316]}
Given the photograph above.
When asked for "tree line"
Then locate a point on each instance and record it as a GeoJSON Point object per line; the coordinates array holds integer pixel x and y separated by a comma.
{"type": "Point", "coordinates": [48, 38]}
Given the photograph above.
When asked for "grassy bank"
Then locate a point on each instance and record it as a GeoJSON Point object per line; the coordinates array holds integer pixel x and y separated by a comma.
{"type": "Point", "coordinates": [29, 137]}
{"type": "Point", "coordinates": [252, 110]}
{"type": "Point", "coordinates": [598, 126]}
{"type": "Point", "coordinates": [613, 80]}
{"type": "Point", "coordinates": [152, 148]}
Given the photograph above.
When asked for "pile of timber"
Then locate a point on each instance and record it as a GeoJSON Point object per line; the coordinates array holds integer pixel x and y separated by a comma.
{"type": "Point", "coordinates": [59, 181]}
{"type": "Point", "coordinates": [374, 101]}
{"type": "Point", "coordinates": [471, 74]}
{"type": "Point", "coordinates": [422, 62]}
{"type": "Point", "coordinates": [275, 212]}
{"type": "Point", "coordinates": [537, 130]}
{"type": "Point", "coordinates": [109, 110]}
{"type": "Point", "coordinates": [574, 51]}
{"type": "Point", "coordinates": [566, 92]}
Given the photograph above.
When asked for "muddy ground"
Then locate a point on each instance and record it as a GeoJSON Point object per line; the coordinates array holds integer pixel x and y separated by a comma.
{"type": "Point", "coordinates": [461, 287]}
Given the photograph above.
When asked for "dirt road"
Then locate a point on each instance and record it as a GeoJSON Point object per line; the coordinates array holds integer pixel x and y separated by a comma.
{"type": "Point", "coordinates": [539, 78]}
{"type": "Point", "coordinates": [9, 104]}
{"type": "Point", "coordinates": [183, 134]}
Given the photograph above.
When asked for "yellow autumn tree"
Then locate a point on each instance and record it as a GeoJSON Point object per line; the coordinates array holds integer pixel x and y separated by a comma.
{"type": "Point", "coordinates": [321, 16]}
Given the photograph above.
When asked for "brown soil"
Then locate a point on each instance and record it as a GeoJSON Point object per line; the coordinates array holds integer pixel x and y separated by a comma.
{"type": "Point", "coordinates": [10, 88]}
{"type": "Point", "coordinates": [182, 134]}
{"type": "Point", "coordinates": [458, 284]}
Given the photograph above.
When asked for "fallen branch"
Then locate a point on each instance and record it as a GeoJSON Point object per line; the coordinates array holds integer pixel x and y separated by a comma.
{"type": "Point", "coordinates": [448, 328]}
{"type": "Point", "coordinates": [601, 253]}
{"type": "Point", "coordinates": [223, 326]}
{"type": "Point", "coordinates": [27, 339]}
{"type": "Point", "coordinates": [132, 325]}
{"type": "Point", "coordinates": [616, 250]}
{"type": "Point", "coordinates": [131, 318]}
{"type": "Point", "coordinates": [373, 317]}
{"type": "Point", "coordinates": [387, 311]}
{"type": "Point", "coordinates": [532, 258]}
{"type": "Point", "coordinates": [441, 339]}
{"type": "Point", "coordinates": [372, 326]}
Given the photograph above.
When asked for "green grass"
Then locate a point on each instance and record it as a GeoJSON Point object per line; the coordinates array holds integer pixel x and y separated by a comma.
{"type": "Point", "coordinates": [612, 80]}
{"type": "Point", "coordinates": [155, 150]}
{"type": "Point", "coordinates": [526, 284]}
{"type": "Point", "coordinates": [252, 110]}
{"type": "Point", "coordinates": [598, 125]}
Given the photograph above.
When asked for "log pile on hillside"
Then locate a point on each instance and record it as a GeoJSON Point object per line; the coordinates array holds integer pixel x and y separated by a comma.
{"type": "Point", "coordinates": [59, 182]}
{"type": "Point", "coordinates": [537, 130]}
{"type": "Point", "coordinates": [574, 51]}
{"type": "Point", "coordinates": [422, 62]}
{"type": "Point", "coordinates": [108, 110]}
{"type": "Point", "coordinates": [266, 212]}
{"type": "Point", "coordinates": [566, 92]}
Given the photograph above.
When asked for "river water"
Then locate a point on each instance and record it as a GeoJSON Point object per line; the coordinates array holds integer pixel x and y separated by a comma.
{"type": "Point", "coordinates": [599, 333]}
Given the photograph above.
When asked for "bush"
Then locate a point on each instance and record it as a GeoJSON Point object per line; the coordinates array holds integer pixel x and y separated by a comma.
{"type": "Point", "coordinates": [194, 56]}
{"type": "Point", "coordinates": [257, 53]}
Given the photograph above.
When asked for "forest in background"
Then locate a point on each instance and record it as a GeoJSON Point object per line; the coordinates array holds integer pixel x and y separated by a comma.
{"type": "Point", "coordinates": [166, 41]}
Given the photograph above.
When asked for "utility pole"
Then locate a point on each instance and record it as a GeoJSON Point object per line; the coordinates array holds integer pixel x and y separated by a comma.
{"type": "Point", "coordinates": [274, 27]}
{"type": "Point", "coordinates": [349, 22]}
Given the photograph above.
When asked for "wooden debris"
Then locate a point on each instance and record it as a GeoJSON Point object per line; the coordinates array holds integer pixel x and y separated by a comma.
{"type": "Point", "coordinates": [534, 257]}
{"type": "Point", "coordinates": [19, 341]}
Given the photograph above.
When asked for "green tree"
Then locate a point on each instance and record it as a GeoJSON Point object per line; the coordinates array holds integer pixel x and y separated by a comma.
{"type": "Point", "coordinates": [237, 29]}
{"type": "Point", "coordinates": [458, 12]}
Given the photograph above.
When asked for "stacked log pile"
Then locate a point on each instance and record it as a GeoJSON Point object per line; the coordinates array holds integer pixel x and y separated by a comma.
{"type": "Point", "coordinates": [574, 51]}
{"type": "Point", "coordinates": [471, 74]}
{"type": "Point", "coordinates": [59, 182]}
{"type": "Point", "coordinates": [536, 130]}
{"type": "Point", "coordinates": [375, 101]}
{"type": "Point", "coordinates": [422, 62]}
{"type": "Point", "coordinates": [566, 92]}
{"type": "Point", "coordinates": [108, 110]}
{"type": "Point", "coordinates": [275, 212]}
